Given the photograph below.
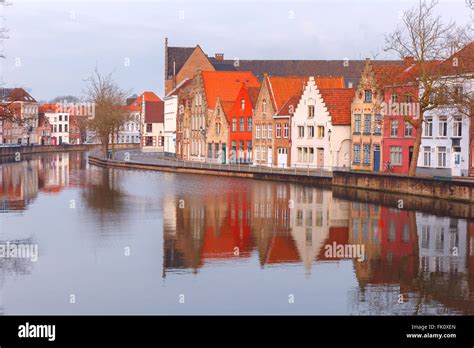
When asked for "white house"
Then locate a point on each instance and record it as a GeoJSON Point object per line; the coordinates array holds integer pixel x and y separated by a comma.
{"type": "Point", "coordinates": [446, 132]}
{"type": "Point", "coordinates": [59, 123]}
{"type": "Point", "coordinates": [152, 110]}
{"type": "Point", "coordinates": [320, 127]}
{"type": "Point", "coordinates": [171, 114]}
{"type": "Point", "coordinates": [445, 144]}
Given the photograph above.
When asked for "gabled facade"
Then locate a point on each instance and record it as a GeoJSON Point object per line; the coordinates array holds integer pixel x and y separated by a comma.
{"type": "Point", "coordinates": [320, 127]}
{"type": "Point", "coordinates": [151, 117]}
{"type": "Point", "coordinates": [217, 133]}
{"type": "Point", "coordinates": [367, 119]}
{"type": "Point", "coordinates": [240, 122]}
{"type": "Point", "coordinates": [209, 86]}
{"type": "Point", "coordinates": [59, 122]}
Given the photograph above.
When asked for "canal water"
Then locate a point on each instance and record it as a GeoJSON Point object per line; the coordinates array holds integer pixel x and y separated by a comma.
{"type": "Point", "coordinates": [136, 242]}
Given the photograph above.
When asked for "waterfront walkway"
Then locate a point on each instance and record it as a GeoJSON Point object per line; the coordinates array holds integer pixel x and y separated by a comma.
{"type": "Point", "coordinates": [157, 158]}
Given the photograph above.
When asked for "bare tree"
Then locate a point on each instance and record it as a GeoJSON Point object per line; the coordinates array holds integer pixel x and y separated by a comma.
{"type": "Point", "coordinates": [110, 113]}
{"type": "Point", "coordinates": [439, 73]}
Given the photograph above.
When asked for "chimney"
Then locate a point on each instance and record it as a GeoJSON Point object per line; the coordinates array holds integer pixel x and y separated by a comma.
{"type": "Point", "coordinates": [408, 61]}
{"type": "Point", "coordinates": [219, 56]}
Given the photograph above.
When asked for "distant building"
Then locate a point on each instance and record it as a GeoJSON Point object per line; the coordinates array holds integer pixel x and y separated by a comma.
{"type": "Point", "coordinates": [59, 122]}
{"type": "Point", "coordinates": [152, 110]}
{"type": "Point", "coordinates": [23, 128]}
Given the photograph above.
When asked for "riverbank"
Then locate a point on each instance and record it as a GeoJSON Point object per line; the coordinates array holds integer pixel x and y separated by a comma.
{"type": "Point", "coordinates": [450, 190]}
{"type": "Point", "coordinates": [26, 150]}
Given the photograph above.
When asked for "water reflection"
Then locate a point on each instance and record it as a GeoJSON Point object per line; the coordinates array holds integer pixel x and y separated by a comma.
{"type": "Point", "coordinates": [414, 262]}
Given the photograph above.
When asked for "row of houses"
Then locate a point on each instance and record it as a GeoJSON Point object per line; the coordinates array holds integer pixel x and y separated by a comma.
{"type": "Point", "coordinates": [308, 114]}
{"type": "Point", "coordinates": [35, 123]}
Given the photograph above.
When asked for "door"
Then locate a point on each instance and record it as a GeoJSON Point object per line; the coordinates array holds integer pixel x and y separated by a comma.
{"type": "Point", "coordinates": [376, 158]}
{"type": "Point", "coordinates": [282, 157]}
{"type": "Point", "coordinates": [456, 164]}
{"type": "Point", "coordinates": [224, 154]}
{"type": "Point", "coordinates": [270, 154]}
{"type": "Point", "coordinates": [320, 157]}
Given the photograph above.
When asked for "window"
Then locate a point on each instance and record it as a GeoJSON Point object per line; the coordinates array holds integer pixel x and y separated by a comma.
{"type": "Point", "coordinates": [242, 124]}
{"type": "Point", "coordinates": [305, 154]}
{"type": "Point", "coordinates": [368, 96]}
{"type": "Point", "coordinates": [396, 155]}
{"type": "Point", "coordinates": [442, 156]}
{"type": "Point", "coordinates": [458, 94]}
{"type": "Point", "coordinates": [60, 128]}
{"type": "Point", "coordinates": [311, 155]}
{"type": "Point", "coordinates": [249, 150]}
{"type": "Point", "coordinates": [216, 151]}
{"type": "Point", "coordinates": [270, 131]}
{"type": "Point", "coordinates": [149, 127]}
{"type": "Point", "coordinates": [264, 153]}
{"type": "Point", "coordinates": [278, 130]}
{"type": "Point", "coordinates": [264, 106]}
{"type": "Point", "coordinates": [264, 131]}
{"type": "Point", "coordinates": [443, 126]}
{"type": "Point", "coordinates": [234, 124]}
{"type": "Point", "coordinates": [310, 111]}
{"type": "Point", "coordinates": [148, 141]}
{"type": "Point", "coordinates": [242, 103]}
{"type": "Point", "coordinates": [408, 98]}
{"type": "Point", "coordinates": [457, 127]}
{"type": "Point", "coordinates": [257, 131]}
{"type": "Point", "coordinates": [60, 117]}
{"type": "Point", "coordinates": [357, 121]}
{"type": "Point", "coordinates": [394, 98]}
{"type": "Point", "coordinates": [378, 124]}
{"type": "Point", "coordinates": [367, 123]}
{"type": "Point", "coordinates": [286, 130]}
{"type": "Point", "coordinates": [320, 131]}
{"type": "Point", "coordinates": [428, 127]}
{"type": "Point", "coordinates": [65, 117]}
{"type": "Point", "coordinates": [209, 150]}
{"type": "Point", "coordinates": [249, 124]}
{"type": "Point", "coordinates": [300, 132]}
{"type": "Point", "coordinates": [65, 127]}
{"type": "Point", "coordinates": [218, 128]}
{"type": "Point", "coordinates": [300, 154]}
{"type": "Point", "coordinates": [310, 132]}
{"type": "Point", "coordinates": [257, 153]}
{"type": "Point", "coordinates": [366, 153]}
{"type": "Point", "coordinates": [356, 153]}
{"type": "Point", "coordinates": [393, 128]}
{"type": "Point", "coordinates": [426, 156]}
{"type": "Point", "coordinates": [408, 129]}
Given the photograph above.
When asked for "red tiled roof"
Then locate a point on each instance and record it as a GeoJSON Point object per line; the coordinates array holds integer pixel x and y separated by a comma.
{"type": "Point", "coordinates": [227, 108]}
{"type": "Point", "coordinates": [387, 74]}
{"type": "Point", "coordinates": [154, 111]}
{"type": "Point", "coordinates": [291, 102]}
{"type": "Point", "coordinates": [464, 59]}
{"type": "Point", "coordinates": [225, 84]}
{"type": "Point", "coordinates": [283, 88]}
{"type": "Point", "coordinates": [253, 93]}
{"type": "Point", "coordinates": [338, 103]}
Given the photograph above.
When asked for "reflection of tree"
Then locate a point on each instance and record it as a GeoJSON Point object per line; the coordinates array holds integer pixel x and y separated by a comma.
{"type": "Point", "coordinates": [103, 195]}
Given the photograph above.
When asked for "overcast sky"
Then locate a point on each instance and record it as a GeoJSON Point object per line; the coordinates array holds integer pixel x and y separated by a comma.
{"type": "Point", "coordinates": [53, 46]}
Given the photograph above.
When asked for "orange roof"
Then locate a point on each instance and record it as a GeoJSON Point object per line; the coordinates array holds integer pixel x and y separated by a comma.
{"type": "Point", "coordinates": [227, 108]}
{"type": "Point", "coordinates": [291, 102]}
{"type": "Point", "coordinates": [283, 88]}
{"type": "Point", "coordinates": [137, 103]}
{"type": "Point", "coordinates": [48, 107]}
{"type": "Point", "coordinates": [387, 74]}
{"type": "Point", "coordinates": [253, 93]}
{"type": "Point", "coordinates": [338, 103]}
{"type": "Point", "coordinates": [226, 84]}
{"type": "Point", "coordinates": [464, 63]}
